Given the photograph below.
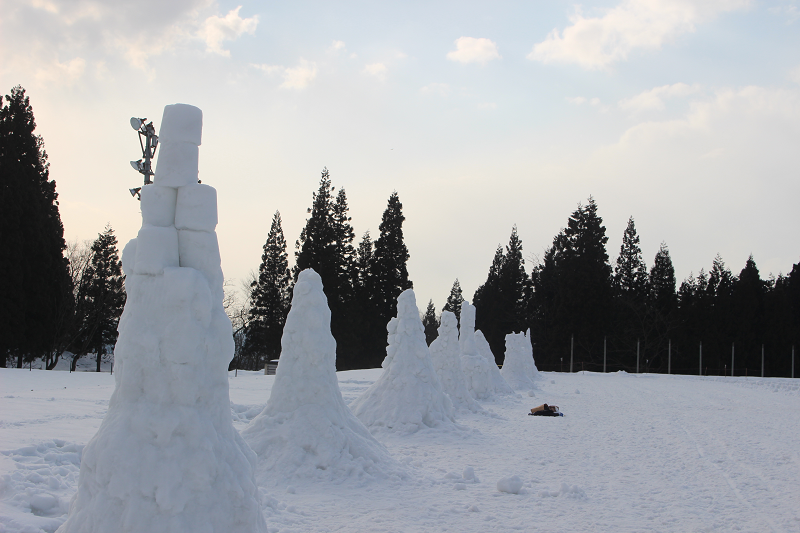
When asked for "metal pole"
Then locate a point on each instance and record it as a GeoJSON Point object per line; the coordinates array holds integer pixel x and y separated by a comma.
{"type": "Point", "coordinates": [637, 356]}
{"type": "Point", "coordinates": [700, 372]}
{"type": "Point", "coordinates": [571, 350]}
{"type": "Point", "coordinates": [733, 345]}
{"type": "Point", "coordinates": [669, 358]}
{"type": "Point", "coordinates": [604, 356]}
{"type": "Point", "coordinates": [762, 360]}
{"type": "Point", "coordinates": [793, 361]}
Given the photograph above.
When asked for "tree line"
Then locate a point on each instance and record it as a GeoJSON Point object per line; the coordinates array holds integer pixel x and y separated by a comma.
{"type": "Point", "coordinates": [56, 298]}
{"type": "Point", "coordinates": [360, 282]}
{"type": "Point", "coordinates": [577, 303]}
{"type": "Point", "coordinates": [581, 306]}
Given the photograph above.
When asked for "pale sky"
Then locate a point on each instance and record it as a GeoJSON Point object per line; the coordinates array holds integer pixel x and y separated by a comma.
{"type": "Point", "coordinates": [481, 115]}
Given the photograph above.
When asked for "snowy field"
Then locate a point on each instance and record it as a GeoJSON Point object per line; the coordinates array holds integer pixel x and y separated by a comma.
{"type": "Point", "coordinates": [632, 453]}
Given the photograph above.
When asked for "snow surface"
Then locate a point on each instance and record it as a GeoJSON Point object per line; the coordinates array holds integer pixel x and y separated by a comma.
{"type": "Point", "coordinates": [306, 432]}
{"type": "Point", "coordinates": [446, 356]}
{"type": "Point", "coordinates": [407, 396]}
{"type": "Point", "coordinates": [499, 385]}
{"type": "Point", "coordinates": [476, 368]}
{"type": "Point", "coordinates": [519, 369]}
{"type": "Point", "coordinates": [633, 453]}
{"type": "Point", "coordinates": [166, 457]}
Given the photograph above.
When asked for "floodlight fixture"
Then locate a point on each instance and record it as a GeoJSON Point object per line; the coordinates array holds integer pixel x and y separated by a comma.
{"type": "Point", "coordinates": [136, 193]}
{"type": "Point", "coordinates": [148, 142]}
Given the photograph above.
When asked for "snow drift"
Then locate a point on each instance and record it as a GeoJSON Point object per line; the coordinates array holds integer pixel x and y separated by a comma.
{"type": "Point", "coordinates": [306, 430]}
{"type": "Point", "coordinates": [166, 457]}
{"type": "Point", "coordinates": [408, 395]}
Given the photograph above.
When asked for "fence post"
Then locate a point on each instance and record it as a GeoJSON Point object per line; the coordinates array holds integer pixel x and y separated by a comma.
{"type": "Point", "coordinates": [571, 350]}
{"type": "Point", "coordinates": [792, 361]}
{"type": "Point", "coordinates": [669, 358]}
{"type": "Point", "coordinates": [733, 345]}
{"type": "Point", "coordinates": [637, 356]}
{"type": "Point", "coordinates": [700, 372]}
{"type": "Point", "coordinates": [604, 357]}
{"type": "Point", "coordinates": [762, 360]}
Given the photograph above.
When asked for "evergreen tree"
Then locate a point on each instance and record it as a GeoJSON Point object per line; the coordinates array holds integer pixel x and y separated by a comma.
{"type": "Point", "coordinates": [501, 302]}
{"type": "Point", "coordinates": [748, 293]}
{"type": "Point", "coordinates": [662, 282]}
{"type": "Point", "coordinates": [269, 297]}
{"type": "Point", "coordinates": [454, 301]}
{"type": "Point", "coordinates": [103, 299]}
{"type": "Point", "coordinates": [34, 279]}
{"type": "Point", "coordinates": [573, 289]}
{"type": "Point", "coordinates": [325, 245]}
{"type": "Point", "coordinates": [431, 323]}
{"type": "Point", "coordinates": [630, 273]}
{"type": "Point", "coordinates": [389, 270]}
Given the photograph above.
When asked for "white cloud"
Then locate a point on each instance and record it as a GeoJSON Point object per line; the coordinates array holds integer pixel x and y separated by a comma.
{"type": "Point", "coordinates": [442, 89]}
{"type": "Point", "coordinates": [293, 78]}
{"type": "Point", "coordinates": [576, 100]}
{"type": "Point", "coordinates": [792, 13]}
{"type": "Point", "coordinates": [487, 105]}
{"type": "Point", "coordinates": [472, 50]}
{"type": "Point", "coordinates": [654, 98]}
{"type": "Point", "coordinates": [794, 74]}
{"type": "Point", "coordinates": [216, 29]}
{"type": "Point", "coordinates": [378, 70]}
{"type": "Point", "coordinates": [597, 42]}
{"type": "Point", "coordinates": [300, 76]}
{"type": "Point", "coordinates": [62, 73]}
{"type": "Point", "coordinates": [336, 46]}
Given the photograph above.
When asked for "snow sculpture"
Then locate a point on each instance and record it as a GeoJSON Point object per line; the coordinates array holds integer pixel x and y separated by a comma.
{"type": "Point", "coordinates": [477, 372]}
{"type": "Point", "coordinates": [519, 369]}
{"type": "Point", "coordinates": [446, 357]}
{"type": "Point", "coordinates": [306, 430]}
{"type": "Point", "coordinates": [166, 457]}
{"type": "Point", "coordinates": [408, 395]}
{"type": "Point", "coordinates": [499, 385]}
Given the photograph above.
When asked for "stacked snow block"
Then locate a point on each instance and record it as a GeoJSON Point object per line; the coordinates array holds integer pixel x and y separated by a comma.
{"type": "Point", "coordinates": [179, 215]}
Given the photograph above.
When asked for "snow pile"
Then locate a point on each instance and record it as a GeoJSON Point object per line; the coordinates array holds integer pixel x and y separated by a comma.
{"type": "Point", "coordinates": [568, 491]}
{"type": "Point", "coordinates": [306, 430]}
{"type": "Point", "coordinates": [511, 485]}
{"type": "Point", "coordinates": [519, 369]}
{"type": "Point", "coordinates": [477, 371]}
{"type": "Point", "coordinates": [166, 457]}
{"type": "Point", "coordinates": [445, 354]}
{"type": "Point", "coordinates": [499, 385]}
{"type": "Point", "coordinates": [408, 395]}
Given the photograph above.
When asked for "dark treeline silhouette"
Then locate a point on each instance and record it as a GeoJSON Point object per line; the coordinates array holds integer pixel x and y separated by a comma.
{"type": "Point", "coordinates": [55, 298]}
{"type": "Point", "coordinates": [579, 307]}
{"type": "Point", "coordinates": [361, 284]}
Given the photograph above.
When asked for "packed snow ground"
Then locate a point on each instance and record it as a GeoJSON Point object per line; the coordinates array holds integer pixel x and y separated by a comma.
{"type": "Point", "coordinates": [632, 453]}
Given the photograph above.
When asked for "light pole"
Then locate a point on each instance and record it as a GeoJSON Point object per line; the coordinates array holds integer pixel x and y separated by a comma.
{"type": "Point", "coordinates": [148, 141]}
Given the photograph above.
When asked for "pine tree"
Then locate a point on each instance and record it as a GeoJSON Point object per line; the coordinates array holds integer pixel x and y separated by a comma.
{"type": "Point", "coordinates": [630, 273]}
{"type": "Point", "coordinates": [431, 323]}
{"type": "Point", "coordinates": [389, 272]}
{"type": "Point", "coordinates": [34, 280]}
{"type": "Point", "coordinates": [662, 282]}
{"type": "Point", "coordinates": [454, 301]}
{"type": "Point", "coordinates": [501, 302]}
{"type": "Point", "coordinates": [269, 297]}
{"type": "Point", "coordinates": [104, 297]}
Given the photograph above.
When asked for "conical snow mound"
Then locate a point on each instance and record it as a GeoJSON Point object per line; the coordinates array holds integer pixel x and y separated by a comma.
{"type": "Point", "coordinates": [519, 369]}
{"type": "Point", "coordinates": [446, 356]}
{"type": "Point", "coordinates": [166, 457]}
{"type": "Point", "coordinates": [499, 385]}
{"type": "Point", "coordinates": [408, 395]}
{"type": "Point", "coordinates": [477, 372]}
{"type": "Point", "coordinates": [306, 430]}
